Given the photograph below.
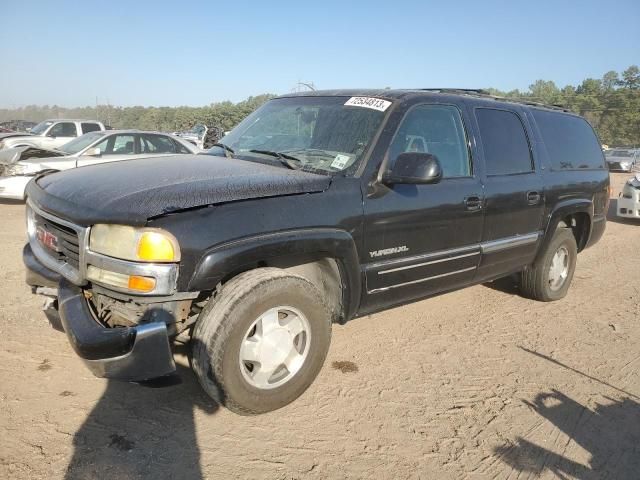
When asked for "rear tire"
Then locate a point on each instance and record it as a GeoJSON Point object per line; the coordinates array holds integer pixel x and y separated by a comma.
{"type": "Point", "coordinates": [287, 326]}
{"type": "Point", "coordinates": [549, 278]}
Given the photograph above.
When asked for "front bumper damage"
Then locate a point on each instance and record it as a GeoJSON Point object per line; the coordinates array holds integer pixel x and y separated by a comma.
{"type": "Point", "coordinates": [128, 353]}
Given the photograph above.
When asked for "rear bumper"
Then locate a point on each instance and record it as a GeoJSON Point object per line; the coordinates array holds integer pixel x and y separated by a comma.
{"type": "Point", "coordinates": [131, 353]}
{"type": "Point", "coordinates": [628, 208]}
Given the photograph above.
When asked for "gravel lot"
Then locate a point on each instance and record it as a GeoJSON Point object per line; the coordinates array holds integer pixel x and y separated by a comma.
{"type": "Point", "coordinates": [478, 383]}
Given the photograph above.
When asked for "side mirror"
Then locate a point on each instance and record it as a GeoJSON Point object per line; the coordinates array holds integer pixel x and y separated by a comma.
{"type": "Point", "coordinates": [52, 135]}
{"type": "Point", "coordinates": [93, 152]}
{"type": "Point", "coordinates": [414, 168]}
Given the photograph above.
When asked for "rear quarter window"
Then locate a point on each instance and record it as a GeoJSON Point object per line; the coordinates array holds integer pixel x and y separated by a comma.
{"type": "Point", "coordinates": [570, 141]}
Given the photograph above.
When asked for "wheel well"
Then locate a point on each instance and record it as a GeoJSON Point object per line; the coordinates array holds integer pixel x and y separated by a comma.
{"type": "Point", "coordinates": [324, 273]}
{"type": "Point", "coordinates": [580, 225]}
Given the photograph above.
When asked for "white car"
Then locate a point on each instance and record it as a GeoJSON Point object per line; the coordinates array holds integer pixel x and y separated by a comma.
{"type": "Point", "coordinates": [89, 149]}
{"type": "Point", "coordinates": [629, 200]}
{"type": "Point", "coordinates": [51, 133]}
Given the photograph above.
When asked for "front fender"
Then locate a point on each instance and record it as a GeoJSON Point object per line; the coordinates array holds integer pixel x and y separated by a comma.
{"type": "Point", "coordinates": [228, 259]}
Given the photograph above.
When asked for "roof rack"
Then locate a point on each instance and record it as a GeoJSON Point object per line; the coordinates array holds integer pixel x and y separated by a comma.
{"type": "Point", "coordinates": [468, 91]}
{"type": "Point", "coordinates": [479, 92]}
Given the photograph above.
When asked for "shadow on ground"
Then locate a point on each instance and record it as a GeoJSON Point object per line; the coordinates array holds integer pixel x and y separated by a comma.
{"type": "Point", "coordinates": [505, 285]}
{"type": "Point", "coordinates": [137, 431]}
{"type": "Point", "coordinates": [610, 433]}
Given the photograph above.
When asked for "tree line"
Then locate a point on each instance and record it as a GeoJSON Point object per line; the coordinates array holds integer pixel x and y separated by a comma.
{"type": "Point", "coordinates": [611, 104]}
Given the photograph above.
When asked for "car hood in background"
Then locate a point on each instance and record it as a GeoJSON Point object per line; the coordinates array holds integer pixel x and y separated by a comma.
{"type": "Point", "coordinates": [14, 154]}
{"type": "Point", "coordinates": [132, 191]}
{"type": "Point", "coordinates": [14, 134]}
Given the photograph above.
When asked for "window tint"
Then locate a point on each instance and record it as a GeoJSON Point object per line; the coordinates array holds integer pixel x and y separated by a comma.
{"type": "Point", "coordinates": [156, 144]}
{"type": "Point", "coordinates": [117, 145]}
{"type": "Point", "coordinates": [570, 141]}
{"type": "Point", "coordinates": [504, 141]}
{"type": "Point", "coordinates": [63, 129]}
{"type": "Point", "coordinates": [90, 127]}
{"type": "Point", "coordinates": [435, 129]}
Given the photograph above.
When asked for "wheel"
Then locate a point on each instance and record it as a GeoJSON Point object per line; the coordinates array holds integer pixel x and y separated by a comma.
{"type": "Point", "coordinates": [261, 341]}
{"type": "Point", "coordinates": [549, 278]}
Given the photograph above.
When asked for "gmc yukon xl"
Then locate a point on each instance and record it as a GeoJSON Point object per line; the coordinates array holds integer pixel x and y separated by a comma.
{"type": "Point", "coordinates": [318, 208]}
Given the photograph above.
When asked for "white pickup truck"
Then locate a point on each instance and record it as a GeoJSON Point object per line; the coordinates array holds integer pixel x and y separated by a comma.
{"type": "Point", "coordinates": [51, 133]}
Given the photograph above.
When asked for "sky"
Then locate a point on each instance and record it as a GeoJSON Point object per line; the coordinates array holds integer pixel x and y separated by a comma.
{"type": "Point", "coordinates": [168, 53]}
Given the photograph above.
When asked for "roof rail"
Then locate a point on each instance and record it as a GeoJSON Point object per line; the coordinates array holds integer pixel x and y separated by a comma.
{"type": "Point", "coordinates": [478, 92]}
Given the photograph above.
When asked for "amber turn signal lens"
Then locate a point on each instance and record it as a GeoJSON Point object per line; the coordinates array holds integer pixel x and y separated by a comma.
{"type": "Point", "coordinates": [141, 284]}
{"type": "Point", "coordinates": [155, 247]}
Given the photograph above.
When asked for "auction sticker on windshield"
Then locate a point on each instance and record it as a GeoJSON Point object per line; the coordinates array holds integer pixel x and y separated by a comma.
{"type": "Point", "coordinates": [368, 102]}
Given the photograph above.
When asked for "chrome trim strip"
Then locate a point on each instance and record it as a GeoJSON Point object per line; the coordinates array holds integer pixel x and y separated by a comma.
{"type": "Point", "coordinates": [166, 274]}
{"type": "Point", "coordinates": [382, 289]}
{"type": "Point", "coordinates": [509, 242]}
{"type": "Point", "coordinates": [408, 267]}
{"type": "Point", "coordinates": [426, 256]}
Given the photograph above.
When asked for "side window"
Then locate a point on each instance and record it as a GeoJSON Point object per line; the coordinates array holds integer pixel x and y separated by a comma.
{"type": "Point", "coordinates": [435, 129]}
{"type": "Point", "coordinates": [63, 129]}
{"type": "Point", "coordinates": [180, 148]}
{"type": "Point", "coordinates": [570, 141]}
{"type": "Point", "coordinates": [117, 145]}
{"type": "Point", "coordinates": [504, 141]}
{"type": "Point", "coordinates": [90, 127]}
{"type": "Point", "coordinates": [156, 144]}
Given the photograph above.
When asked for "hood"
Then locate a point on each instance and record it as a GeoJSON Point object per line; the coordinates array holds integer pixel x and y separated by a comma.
{"type": "Point", "coordinates": [14, 134]}
{"type": "Point", "coordinates": [132, 191]}
{"type": "Point", "coordinates": [40, 155]}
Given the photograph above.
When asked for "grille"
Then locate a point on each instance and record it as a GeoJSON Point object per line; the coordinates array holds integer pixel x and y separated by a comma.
{"type": "Point", "coordinates": [68, 249]}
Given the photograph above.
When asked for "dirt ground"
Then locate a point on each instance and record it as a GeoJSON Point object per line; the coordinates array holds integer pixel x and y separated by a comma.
{"type": "Point", "coordinates": [478, 383]}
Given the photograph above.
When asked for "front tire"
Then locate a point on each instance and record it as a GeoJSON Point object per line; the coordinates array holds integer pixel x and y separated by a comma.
{"type": "Point", "coordinates": [261, 341]}
{"type": "Point", "coordinates": [549, 278]}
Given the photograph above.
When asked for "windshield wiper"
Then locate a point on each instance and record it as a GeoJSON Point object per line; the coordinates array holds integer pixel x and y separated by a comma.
{"type": "Point", "coordinates": [286, 159]}
{"type": "Point", "coordinates": [228, 151]}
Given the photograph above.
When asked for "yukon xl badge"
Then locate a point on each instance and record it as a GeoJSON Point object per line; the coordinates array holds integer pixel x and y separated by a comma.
{"type": "Point", "coordinates": [388, 251]}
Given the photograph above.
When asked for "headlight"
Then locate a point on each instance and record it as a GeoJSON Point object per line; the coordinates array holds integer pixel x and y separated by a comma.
{"type": "Point", "coordinates": [23, 169]}
{"type": "Point", "coordinates": [138, 244]}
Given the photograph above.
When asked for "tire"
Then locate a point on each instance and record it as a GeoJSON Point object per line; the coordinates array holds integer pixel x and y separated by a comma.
{"type": "Point", "coordinates": [537, 280]}
{"type": "Point", "coordinates": [226, 323]}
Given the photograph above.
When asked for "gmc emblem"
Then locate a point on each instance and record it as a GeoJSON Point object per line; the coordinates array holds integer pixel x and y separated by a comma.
{"type": "Point", "coordinates": [47, 239]}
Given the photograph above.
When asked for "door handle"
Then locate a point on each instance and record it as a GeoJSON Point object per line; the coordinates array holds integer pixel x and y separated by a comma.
{"type": "Point", "coordinates": [533, 197]}
{"type": "Point", "coordinates": [473, 203]}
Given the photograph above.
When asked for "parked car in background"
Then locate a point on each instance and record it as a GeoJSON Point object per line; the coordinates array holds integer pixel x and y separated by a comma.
{"type": "Point", "coordinates": [89, 149]}
{"type": "Point", "coordinates": [629, 199]}
{"type": "Point", "coordinates": [622, 159]}
{"type": "Point", "coordinates": [52, 133]}
{"type": "Point", "coordinates": [18, 125]}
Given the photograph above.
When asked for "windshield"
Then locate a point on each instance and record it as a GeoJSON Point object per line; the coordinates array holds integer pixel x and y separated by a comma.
{"type": "Point", "coordinates": [321, 133]}
{"type": "Point", "coordinates": [41, 127]}
{"type": "Point", "coordinates": [80, 143]}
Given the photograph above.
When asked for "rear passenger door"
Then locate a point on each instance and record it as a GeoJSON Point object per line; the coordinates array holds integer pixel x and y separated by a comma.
{"type": "Point", "coordinates": [152, 145]}
{"type": "Point", "coordinates": [513, 191]}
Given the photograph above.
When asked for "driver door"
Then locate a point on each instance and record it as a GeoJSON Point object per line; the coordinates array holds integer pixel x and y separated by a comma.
{"type": "Point", "coordinates": [423, 239]}
{"type": "Point", "coordinates": [113, 148]}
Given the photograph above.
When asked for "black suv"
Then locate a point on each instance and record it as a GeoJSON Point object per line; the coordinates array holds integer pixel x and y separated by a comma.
{"type": "Point", "coordinates": [318, 208]}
